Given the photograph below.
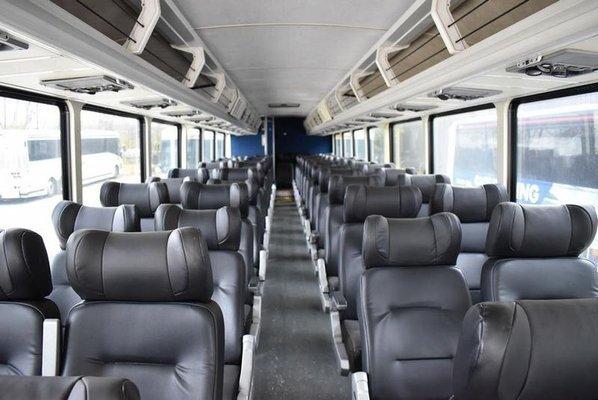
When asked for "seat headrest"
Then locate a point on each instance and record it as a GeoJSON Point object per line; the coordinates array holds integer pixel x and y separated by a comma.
{"type": "Point", "coordinates": [113, 194]}
{"type": "Point", "coordinates": [338, 184]}
{"type": "Point", "coordinates": [233, 174]}
{"type": "Point", "coordinates": [68, 217]}
{"type": "Point", "coordinates": [173, 187]}
{"type": "Point", "coordinates": [24, 266]}
{"type": "Point", "coordinates": [469, 204]}
{"type": "Point", "coordinates": [388, 201]}
{"type": "Point", "coordinates": [425, 183]}
{"type": "Point", "coordinates": [325, 174]}
{"type": "Point", "coordinates": [396, 176]}
{"type": "Point", "coordinates": [184, 173]}
{"type": "Point", "coordinates": [142, 266]}
{"type": "Point", "coordinates": [528, 349]}
{"type": "Point", "coordinates": [221, 229]}
{"type": "Point", "coordinates": [534, 231]}
{"type": "Point", "coordinates": [410, 242]}
{"type": "Point", "coordinates": [198, 196]}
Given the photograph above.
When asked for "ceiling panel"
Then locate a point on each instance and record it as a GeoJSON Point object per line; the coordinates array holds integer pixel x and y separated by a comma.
{"type": "Point", "coordinates": [290, 51]}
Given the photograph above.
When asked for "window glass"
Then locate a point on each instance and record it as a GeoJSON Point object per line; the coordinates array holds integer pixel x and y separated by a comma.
{"type": "Point", "coordinates": [30, 167]}
{"type": "Point", "coordinates": [164, 142]}
{"type": "Point", "coordinates": [227, 146]}
{"type": "Point", "coordinates": [192, 159]}
{"type": "Point", "coordinates": [360, 150]}
{"type": "Point", "coordinates": [219, 145]}
{"type": "Point", "coordinates": [338, 145]}
{"type": "Point", "coordinates": [377, 145]}
{"type": "Point", "coordinates": [557, 152]}
{"type": "Point", "coordinates": [465, 147]}
{"type": "Point", "coordinates": [207, 146]}
{"type": "Point", "coordinates": [409, 145]}
{"type": "Point", "coordinates": [348, 144]}
{"type": "Point", "coordinates": [111, 150]}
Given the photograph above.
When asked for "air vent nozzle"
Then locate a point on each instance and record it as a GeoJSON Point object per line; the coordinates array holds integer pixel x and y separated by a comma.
{"type": "Point", "coordinates": [88, 84]}
{"type": "Point", "coordinates": [463, 93]}
{"type": "Point", "coordinates": [9, 43]}
{"type": "Point", "coordinates": [560, 64]}
{"type": "Point", "coordinates": [149, 104]}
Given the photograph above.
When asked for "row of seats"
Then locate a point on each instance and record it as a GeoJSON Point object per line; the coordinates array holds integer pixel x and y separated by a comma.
{"type": "Point", "coordinates": [169, 309]}
{"type": "Point", "coordinates": [407, 274]}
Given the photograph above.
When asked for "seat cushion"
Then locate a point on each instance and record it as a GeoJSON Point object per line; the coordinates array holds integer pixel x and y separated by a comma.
{"type": "Point", "coordinates": [230, 384]}
{"type": "Point", "coordinates": [352, 340]}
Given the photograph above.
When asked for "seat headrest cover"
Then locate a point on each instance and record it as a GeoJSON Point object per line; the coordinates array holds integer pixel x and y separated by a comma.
{"type": "Point", "coordinates": [326, 173]}
{"type": "Point", "coordinates": [339, 183]}
{"type": "Point", "coordinates": [173, 187]}
{"type": "Point", "coordinates": [410, 242]}
{"type": "Point", "coordinates": [220, 228]}
{"type": "Point", "coordinates": [425, 183]}
{"type": "Point", "coordinates": [527, 350]}
{"type": "Point", "coordinates": [68, 217]}
{"type": "Point", "coordinates": [145, 266]}
{"type": "Point", "coordinates": [469, 204]}
{"type": "Point", "coordinates": [24, 266]}
{"type": "Point", "coordinates": [182, 173]}
{"type": "Point", "coordinates": [388, 201]}
{"type": "Point", "coordinates": [234, 174]}
{"type": "Point", "coordinates": [198, 196]}
{"type": "Point", "coordinates": [534, 231]}
{"type": "Point", "coordinates": [114, 194]}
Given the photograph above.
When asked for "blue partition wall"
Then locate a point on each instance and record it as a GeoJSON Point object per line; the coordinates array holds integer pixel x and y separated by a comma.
{"type": "Point", "coordinates": [250, 145]}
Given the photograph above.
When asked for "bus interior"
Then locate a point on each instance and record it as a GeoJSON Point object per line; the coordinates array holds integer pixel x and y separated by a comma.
{"type": "Point", "coordinates": [284, 199]}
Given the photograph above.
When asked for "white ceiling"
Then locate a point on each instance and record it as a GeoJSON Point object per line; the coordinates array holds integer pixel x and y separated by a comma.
{"type": "Point", "coordinates": [290, 50]}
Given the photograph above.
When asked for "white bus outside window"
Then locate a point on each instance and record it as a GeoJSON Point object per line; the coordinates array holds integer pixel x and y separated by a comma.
{"type": "Point", "coordinates": [193, 138]}
{"type": "Point", "coordinates": [30, 166]}
{"type": "Point", "coordinates": [164, 144]}
{"type": "Point", "coordinates": [409, 145]}
{"type": "Point", "coordinates": [377, 145]}
{"type": "Point", "coordinates": [465, 147]}
{"type": "Point", "coordinates": [110, 150]}
{"type": "Point", "coordinates": [207, 145]}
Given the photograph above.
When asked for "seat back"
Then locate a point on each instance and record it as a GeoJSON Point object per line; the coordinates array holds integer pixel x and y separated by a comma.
{"type": "Point", "coordinates": [474, 208]}
{"type": "Point", "coordinates": [221, 230]}
{"type": "Point", "coordinates": [412, 302]}
{"type": "Point", "coordinates": [321, 202]}
{"type": "Point", "coordinates": [147, 313]}
{"type": "Point", "coordinates": [24, 285]}
{"type": "Point", "coordinates": [426, 184]}
{"type": "Point", "coordinates": [360, 202]}
{"type": "Point", "coordinates": [337, 186]}
{"type": "Point", "coordinates": [67, 388]}
{"type": "Point", "coordinates": [528, 350]}
{"type": "Point", "coordinates": [113, 194]}
{"type": "Point", "coordinates": [68, 217]}
{"type": "Point", "coordinates": [534, 253]}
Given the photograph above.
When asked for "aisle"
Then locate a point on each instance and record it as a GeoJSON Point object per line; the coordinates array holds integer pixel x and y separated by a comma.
{"type": "Point", "coordinates": [295, 358]}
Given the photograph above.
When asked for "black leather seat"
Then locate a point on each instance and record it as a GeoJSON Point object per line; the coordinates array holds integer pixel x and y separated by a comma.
{"type": "Point", "coordinates": [68, 217]}
{"type": "Point", "coordinates": [221, 230]}
{"type": "Point", "coordinates": [528, 350]}
{"type": "Point", "coordinates": [147, 200]}
{"type": "Point", "coordinates": [147, 313]}
{"type": "Point", "coordinates": [360, 202]}
{"type": "Point", "coordinates": [24, 285]}
{"type": "Point", "coordinates": [200, 175]}
{"type": "Point", "coordinates": [66, 388]}
{"type": "Point", "coordinates": [173, 189]}
{"type": "Point", "coordinates": [411, 305]}
{"type": "Point", "coordinates": [474, 208]}
{"type": "Point", "coordinates": [534, 251]}
{"type": "Point", "coordinates": [426, 184]}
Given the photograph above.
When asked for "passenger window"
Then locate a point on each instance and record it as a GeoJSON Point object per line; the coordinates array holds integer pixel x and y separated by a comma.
{"type": "Point", "coordinates": [164, 142]}
{"type": "Point", "coordinates": [111, 150]}
{"type": "Point", "coordinates": [377, 145]}
{"type": "Point", "coordinates": [228, 153]}
{"type": "Point", "coordinates": [409, 145]}
{"type": "Point", "coordinates": [338, 145]}
{"type": "Point", "coordinates": [348, 144]}
{"type": "Point", "coordinates": [556, 152]}
{"type": "Point", "coordinates": [465, 147]}
{"type": "Point", "coordinates": [219, 145]}
{"type": "Point", "coordinates": [360, 149]}
{"type": "Point", "coordinates": [192, 147]}
{"type": "Point", "coordinates": [207, 146]}
{"type": "Point", "coordinates": [30, 166]}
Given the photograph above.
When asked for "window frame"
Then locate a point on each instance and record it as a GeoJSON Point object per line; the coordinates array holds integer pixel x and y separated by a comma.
{"type": "Point", "coordinates": [141, 119]}
{"type": "Point", "coordinates": [179, 138]}
{"type": "Point", "coordinates": [65, 142]}
{"type": "Point", "coordinates": [512, 125]}
{"type": "Point", "coordinates": [480, 107]}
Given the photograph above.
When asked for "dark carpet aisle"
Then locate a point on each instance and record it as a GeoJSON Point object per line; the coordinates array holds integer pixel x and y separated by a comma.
{"type": "Point", "coordinates": [295, 358]}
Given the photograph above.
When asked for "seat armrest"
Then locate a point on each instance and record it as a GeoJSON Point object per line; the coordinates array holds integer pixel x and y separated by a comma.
{"type": "Point", "coordinates": [263, 264]}
{"type": "Point", "coordinates": [313, 237]}
{"type": "Point", "coordinates": [51, 339]}
{"type": "Point", "coordinates": [359, 386]}
{"type": "Point", "coordinates": [255, 286]}
{"type": "Point", "coordinates": [339, 302]}
{"type": "Point", "coordinates": [246, 375]}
